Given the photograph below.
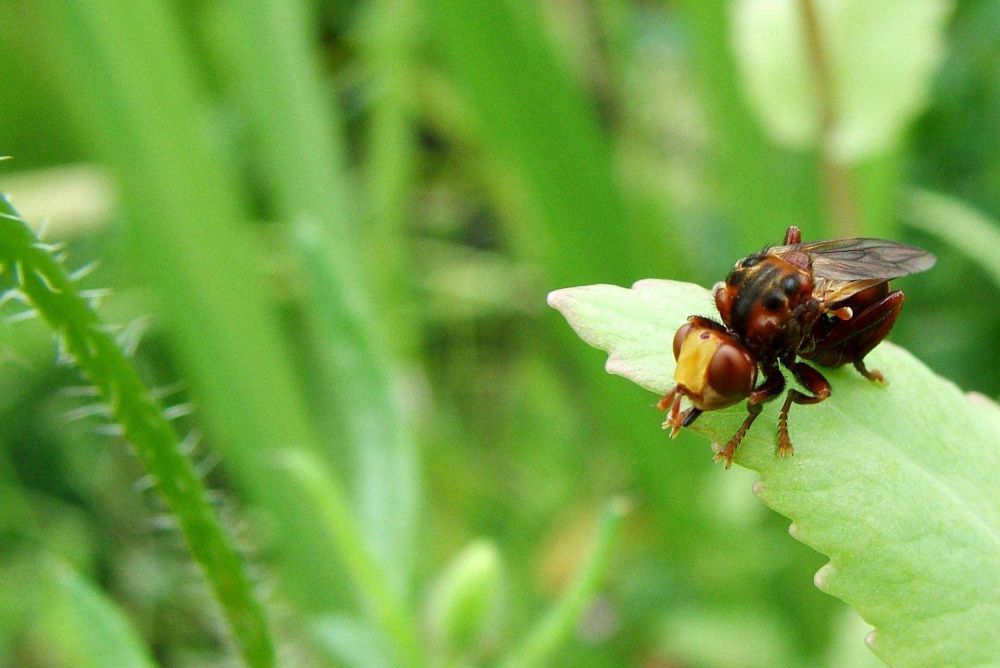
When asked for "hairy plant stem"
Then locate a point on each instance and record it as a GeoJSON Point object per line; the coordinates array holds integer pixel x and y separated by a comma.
{"type": "Point", "coordinates": [43, 283]}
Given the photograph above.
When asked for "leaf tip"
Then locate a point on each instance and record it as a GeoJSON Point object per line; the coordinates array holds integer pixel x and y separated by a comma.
{"type": "Point", "coordinates": [822, 577]}
{"type": "Point", "coordinates": [557, 298]}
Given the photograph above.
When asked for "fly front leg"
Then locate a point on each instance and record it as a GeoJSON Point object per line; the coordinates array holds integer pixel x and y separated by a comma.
{"type": "Point", "coordinates": [812, 380]}
{"type": "Point", "coordinates": [772, 386]}
{"type": "Point", "coordinates": [671, 402]}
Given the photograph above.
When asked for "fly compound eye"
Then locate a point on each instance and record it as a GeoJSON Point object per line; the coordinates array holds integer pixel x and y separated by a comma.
{"type": "Point", "coordinates": [732, 372]}
{"type": "Point", "coordinates": [679, 337]}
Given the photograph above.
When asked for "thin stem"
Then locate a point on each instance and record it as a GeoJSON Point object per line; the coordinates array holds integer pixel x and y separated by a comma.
{"type": "Point", "coordinates": [43, 282]}
{"type": "Point", "coordinates": [129, 72]}
{"type": "Point", "coordinates": [836, 177]}
{"type": "Point", "coordinates": [558, 623]}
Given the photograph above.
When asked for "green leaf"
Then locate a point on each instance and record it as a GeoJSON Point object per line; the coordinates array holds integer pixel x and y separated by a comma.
{"type": "Point", "coordinates": [881, 57]}
{"type": "Point", "coordinates": [896, 484]}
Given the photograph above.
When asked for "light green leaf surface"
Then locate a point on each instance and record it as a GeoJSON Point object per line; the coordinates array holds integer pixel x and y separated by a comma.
{"type": "Point", "coordinates": [898, 485]}
{"type": "Point", "coordinates": [881, 56]}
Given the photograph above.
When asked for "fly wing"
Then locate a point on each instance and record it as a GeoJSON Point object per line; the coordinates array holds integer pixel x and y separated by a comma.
{"type": "Point", "coordinates": [843, 267]}
{"type": "Point", "coordinates": [851, 260]}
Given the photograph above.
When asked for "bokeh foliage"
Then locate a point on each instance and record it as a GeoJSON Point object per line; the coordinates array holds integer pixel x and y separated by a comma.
{"type": "Point", "coordinates": [336, 223]}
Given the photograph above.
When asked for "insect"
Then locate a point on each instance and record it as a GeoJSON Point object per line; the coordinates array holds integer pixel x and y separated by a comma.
{"type": "Point", "coordinates": [827, 302]}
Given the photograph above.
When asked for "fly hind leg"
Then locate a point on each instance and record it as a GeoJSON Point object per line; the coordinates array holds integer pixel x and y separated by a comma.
{"type": "Point", "coordinates": [848, 341]}
{"type": "Point", "coordinates": [772, 386]}
{"type": "Point", "coordinates": [812, 380]}
{"type": "Point", "coordinates": [874, 323]}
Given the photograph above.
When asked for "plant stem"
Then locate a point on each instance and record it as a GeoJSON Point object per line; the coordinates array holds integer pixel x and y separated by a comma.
{"type": "Point", "coordinates": [129, 70]}
{"type": "Point", "coordinates": [841, 202]}
{"type": "Point", "coordinates": [43, 282]}
{"type": "Point", "coordinates": [558, 623]}
{"type": "Point", "coordinates": [756, 179]}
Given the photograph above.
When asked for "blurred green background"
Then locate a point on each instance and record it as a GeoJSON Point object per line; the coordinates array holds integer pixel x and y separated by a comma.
{"type": "Point", "coordinates": [330, 227]}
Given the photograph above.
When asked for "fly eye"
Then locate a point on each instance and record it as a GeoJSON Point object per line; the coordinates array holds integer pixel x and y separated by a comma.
{"type": "Point", "coordinates": [732, 373]}
{"type": "Point", "coordinates": [679, 337]}
{"type": "Point", "coordinates": [774, 301]}
{"type": "Point", "coordinates": [791, 284]}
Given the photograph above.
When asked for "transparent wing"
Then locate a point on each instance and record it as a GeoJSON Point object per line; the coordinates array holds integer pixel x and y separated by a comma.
{"type": "Point", "coordinates": [850, 260]}
{"type": "Point", "coordinates": [844, 267]}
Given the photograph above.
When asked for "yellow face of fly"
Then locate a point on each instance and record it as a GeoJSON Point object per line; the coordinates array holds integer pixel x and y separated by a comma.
{"type": "Point", "coordinates": [693, 373]}
{"type": "Point", "coordinates": [692, 365]}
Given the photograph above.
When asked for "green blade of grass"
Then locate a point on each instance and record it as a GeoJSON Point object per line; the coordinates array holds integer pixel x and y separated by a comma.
{"type": "Point", "coordinates": [342, 532]}
{"type": "Point", "coordinates": [299, 147]}
{"type": "Point", "coordinates": [44, 283]}
{"type": "Point", "coordinates": [388, 49]}
{"type": "Point", "coordinates": [554, 628]}
{"type": "Point", "coordinates": [955, 222]}
{"type": "Point", "coordinates": [78, 623]}
{"type": "Point", "coordinates": [538, 128]}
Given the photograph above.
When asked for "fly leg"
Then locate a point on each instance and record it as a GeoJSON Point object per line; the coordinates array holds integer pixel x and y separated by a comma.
{"type": "Point", "coordinates": [873, 325]}
{"type": "Point", "coordinates": [726, 453]}
{"type": "Point", "coordinates": [671, 402]}
{"type": "Point", "coordinates": [772, 386]}
{"type": "Point", "coordinates": [812, 380]}
{"type": "Point", "coordinates": [870, 374]}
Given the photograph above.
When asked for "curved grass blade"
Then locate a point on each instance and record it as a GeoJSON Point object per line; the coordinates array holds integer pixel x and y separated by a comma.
{"type": "Point", "coordinates": [973, 233]}
{"type": "Point", "coordinates": [558, 623]}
